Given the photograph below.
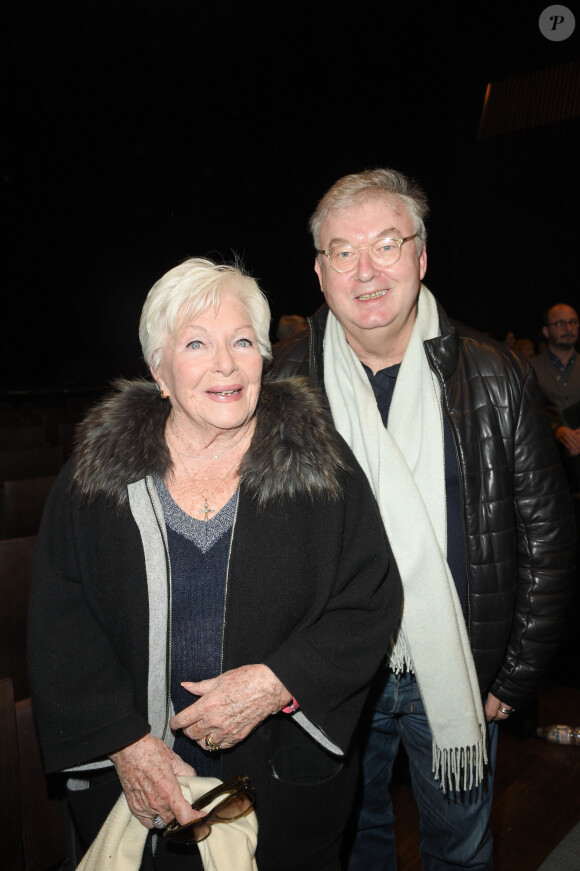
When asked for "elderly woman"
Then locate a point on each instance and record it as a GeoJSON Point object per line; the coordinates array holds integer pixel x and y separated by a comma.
{"type": "Point", "coordinates": [213, 590]}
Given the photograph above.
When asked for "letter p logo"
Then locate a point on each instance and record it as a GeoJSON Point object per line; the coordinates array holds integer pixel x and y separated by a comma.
{"type": "Point", "coordinates": [557, 23]}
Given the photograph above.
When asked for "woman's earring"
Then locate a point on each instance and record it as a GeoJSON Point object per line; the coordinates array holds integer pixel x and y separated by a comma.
{"type": "Point", "coordinates": [163, 394]}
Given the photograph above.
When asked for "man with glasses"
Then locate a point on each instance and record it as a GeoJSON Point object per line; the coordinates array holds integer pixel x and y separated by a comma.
{"type": "Point", "coordinates": [450, 429]}
{"type": "Point", "coordinates": [558, 373]}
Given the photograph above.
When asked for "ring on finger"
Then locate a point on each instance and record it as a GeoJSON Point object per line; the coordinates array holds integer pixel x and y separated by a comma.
{"type": "Point", "coordinates": [506, 711]}
{"type": "Point", "coordinates": [210, 744]}
{"type": "Point", "coordinates": [158, 822]}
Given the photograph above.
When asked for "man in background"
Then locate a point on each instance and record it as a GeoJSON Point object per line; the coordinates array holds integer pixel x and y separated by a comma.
{"type": "Point", "coordinates": [558, 372]}
{"type": "Point", "coordinates": [450, 429]}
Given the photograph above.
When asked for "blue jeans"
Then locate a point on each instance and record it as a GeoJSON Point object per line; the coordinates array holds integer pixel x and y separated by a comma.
{"type": "Point", "coordinates": [453, 826]}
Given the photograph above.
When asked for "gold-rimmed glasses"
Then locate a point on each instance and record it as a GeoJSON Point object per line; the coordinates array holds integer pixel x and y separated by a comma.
{"type": "Point", "coordinates": [237, 802]}
{"type": "Point", "coordinates": [384, 252]}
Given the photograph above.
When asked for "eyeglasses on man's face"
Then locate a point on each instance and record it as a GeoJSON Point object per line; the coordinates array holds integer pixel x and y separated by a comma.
{"type": "Point", "coordinates": [384, 252]}
{"type": "Point", "coordinates": [560, 325]}
{"type": "Point", "coordinates": [237, 802]}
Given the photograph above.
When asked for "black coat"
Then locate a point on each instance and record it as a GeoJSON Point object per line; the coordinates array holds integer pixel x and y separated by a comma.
{"type": "Point", "coordinates": [518, 519]}
{"type": "Point", "coordinates": [310, 593]}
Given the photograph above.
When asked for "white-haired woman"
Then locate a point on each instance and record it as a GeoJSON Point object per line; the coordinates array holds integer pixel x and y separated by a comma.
{"type": "Point", "coordinates": [213, 588]}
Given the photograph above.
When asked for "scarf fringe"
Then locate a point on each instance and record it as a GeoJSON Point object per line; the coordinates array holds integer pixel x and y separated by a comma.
{"type": "Point", "coordinates": [457, 768]}
{"type": "Point", "coordinates": [460, 768]}
{"type": "Point", "coordinates": [400, 658]}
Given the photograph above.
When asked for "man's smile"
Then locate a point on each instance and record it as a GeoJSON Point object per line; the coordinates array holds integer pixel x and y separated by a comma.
{"type": "Point", "coordinates": [376, 295]}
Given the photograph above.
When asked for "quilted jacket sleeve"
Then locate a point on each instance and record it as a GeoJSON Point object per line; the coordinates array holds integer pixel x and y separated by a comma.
{"type": "Point", "coordinates": [521, 536]}
{"type": "Point", "coordinates": [545, 548]}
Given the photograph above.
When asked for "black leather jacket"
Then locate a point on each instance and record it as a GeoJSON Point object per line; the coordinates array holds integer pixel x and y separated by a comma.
{"type": "Point", "coordinates": [518, 519]}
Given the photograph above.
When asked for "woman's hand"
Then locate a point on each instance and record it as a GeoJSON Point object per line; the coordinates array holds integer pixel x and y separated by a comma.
{"type": "Point", "coordinates": [148, 772]}
{"type": "Point", "coordinates": [231, 705]}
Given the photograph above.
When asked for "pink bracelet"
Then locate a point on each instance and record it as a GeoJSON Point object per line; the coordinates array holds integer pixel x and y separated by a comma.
{"type": "Point", "coordinates": [289, 709]}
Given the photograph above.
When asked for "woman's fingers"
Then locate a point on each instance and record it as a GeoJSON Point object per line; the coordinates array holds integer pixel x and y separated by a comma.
{"type": "Point", "coordinates": [148, 770]}
{"type": "Point", "coordinates": [231, 705]}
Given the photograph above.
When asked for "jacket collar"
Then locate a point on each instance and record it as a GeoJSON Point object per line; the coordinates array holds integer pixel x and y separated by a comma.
{"type": "Point", "coordinates": [295, 450]}
{"type": "Point", "coordinates": [442, 351]}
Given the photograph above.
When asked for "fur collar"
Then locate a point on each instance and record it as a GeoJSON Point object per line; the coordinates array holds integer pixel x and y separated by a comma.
{"type": "Point", "coordinates": [295, 449]}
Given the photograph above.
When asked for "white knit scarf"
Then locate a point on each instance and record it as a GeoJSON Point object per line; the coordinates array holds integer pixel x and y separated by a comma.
{"type": "Point", "coordinates": [406, 468]}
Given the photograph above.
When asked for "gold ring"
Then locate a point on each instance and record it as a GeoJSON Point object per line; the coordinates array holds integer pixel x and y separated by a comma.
{"type": "Point", "coordinates": [502, 710]}
{"type": "Point", "coordinates": [209, 743]}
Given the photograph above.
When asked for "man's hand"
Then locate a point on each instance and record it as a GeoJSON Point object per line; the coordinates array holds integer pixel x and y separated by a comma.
{"type": "Point", "coordinates": [231, 705]}
{"type": "Point", "coordinates": [148, 772]}
{"type": "Point", "coordinates": [496, 710]}
{"type": "Point", "coordinates": [570, 438]}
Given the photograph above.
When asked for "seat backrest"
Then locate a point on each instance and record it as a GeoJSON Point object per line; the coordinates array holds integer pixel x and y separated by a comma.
{"type": "Point", "coordinates": [16, 437]}
{"type": "Point", "coordinates": [30, 462]}
{"type": "Point", "coordinates": [42, 825]}
{"type": "Point", "coordinates": [16, 565]}
{"type": "Point", "coordinates": [23, 504]}
{"type": "Point", "coordinates": [10, 794]}
{"type": "Point", "coordinates": [31, 824]}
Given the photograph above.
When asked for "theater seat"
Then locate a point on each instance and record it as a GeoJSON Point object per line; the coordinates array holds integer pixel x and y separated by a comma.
{"type": "Point", "coordinates": [16, 563]}
{"type": "Point", "coordinates": [34, 830]}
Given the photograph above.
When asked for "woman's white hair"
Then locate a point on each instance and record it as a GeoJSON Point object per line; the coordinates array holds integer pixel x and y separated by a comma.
{"type": "Point", "coordinates": [187, 291]}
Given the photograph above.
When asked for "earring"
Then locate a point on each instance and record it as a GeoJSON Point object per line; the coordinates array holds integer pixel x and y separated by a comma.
{"type": "Point", "coordinates": [164, 395]}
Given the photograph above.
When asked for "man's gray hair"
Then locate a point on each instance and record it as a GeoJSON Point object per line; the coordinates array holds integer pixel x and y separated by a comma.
{"type": "Point", "coordinates": [351, 189]}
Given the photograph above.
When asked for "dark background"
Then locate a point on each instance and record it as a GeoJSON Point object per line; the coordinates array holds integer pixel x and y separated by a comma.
{"type": "Point", "coordinates": [140, 133]}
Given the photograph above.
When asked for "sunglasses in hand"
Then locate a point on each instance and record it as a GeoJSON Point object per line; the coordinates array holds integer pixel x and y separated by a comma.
{"type": "Point", "coordinates": [237, 802]}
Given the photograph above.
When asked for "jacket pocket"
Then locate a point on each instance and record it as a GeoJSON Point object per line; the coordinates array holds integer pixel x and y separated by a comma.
{"type": "Point", "coordinates": [308, 801]}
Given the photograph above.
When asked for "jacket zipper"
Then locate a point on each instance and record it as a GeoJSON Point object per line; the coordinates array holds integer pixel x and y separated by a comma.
{"type": "Point", "coordinates": [168, 639]}
{"type": "Point", "coordinates": [223, 635]}
{"type": "Point", "coordinates": [447, 416]}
